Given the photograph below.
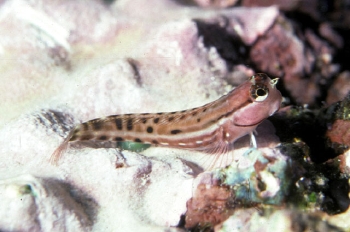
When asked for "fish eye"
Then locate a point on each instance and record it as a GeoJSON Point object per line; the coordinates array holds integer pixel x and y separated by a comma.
{"type": "Point", "coordinates": [259, 93]}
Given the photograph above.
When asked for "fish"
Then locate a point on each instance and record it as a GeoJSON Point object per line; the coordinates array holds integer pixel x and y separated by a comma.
{"type": "Point", "coordinates": [211, 128]}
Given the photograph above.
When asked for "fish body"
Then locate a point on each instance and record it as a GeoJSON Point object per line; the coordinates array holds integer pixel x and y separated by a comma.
{"type": "Point", "coordinates": [211, 128]}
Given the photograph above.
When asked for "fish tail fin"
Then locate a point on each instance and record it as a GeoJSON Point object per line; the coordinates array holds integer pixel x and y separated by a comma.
{"type": "Point", "coordinates": [57, 154]}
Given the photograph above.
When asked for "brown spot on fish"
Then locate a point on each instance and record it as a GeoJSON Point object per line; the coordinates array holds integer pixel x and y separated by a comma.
{"type": "Point", "coordinates": [198, 119]}
{"type": "Point", "coordinates": [156, 120]}
{"type": "Point", "coordinates": [205, 109]}
{"type": "Point", "coordinates": [160, 113]}
{"type": "Point", "coordinates": [85, 126]}
{"type": "Point", "coordinates": [182, 117]}
{"type": "Point", "coordinates": [137, 140]}
{"type": "Point", "coordinates": [170, 119]}
{"type": "Point", "coordinates": [174, 132]}
{"type": "Point", "coordinates": [103, 137]}
{"type": "Point", "coordinates": [173, 112]}
{"type": "Point", "coordinates": [129, 124]}
{"type": "Point", "coordinates": [118, 139]}
{"type": "Point", "coordinates": [149, 129]}
{"type": "Point", "coordinates": [143, 120]}
{"type": "Point", "coordinates": [97, 126]}
{"type": "Point", "coordinates": [194, 113]}
{"type": "Point", "coordinates": [119, 123]}
{"type": "Point", "coordinates": [154, 141]}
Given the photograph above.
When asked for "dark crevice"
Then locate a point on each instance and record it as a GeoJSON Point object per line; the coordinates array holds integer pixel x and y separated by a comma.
{"type": "Point", "coordinates": [134, 64]}
{"type": "Point", "coordinates": [229, 46]}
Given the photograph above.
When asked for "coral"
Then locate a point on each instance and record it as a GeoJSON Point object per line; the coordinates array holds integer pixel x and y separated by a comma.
{"type": "Point", "coordinates": [209, 205]}
{"type": "Point", "coordinates": [282, 52]}
{"type": "Point", "coordinates": [31, 203]}
{"type": "Point", "coordinates": [253, 179]}
{"type": "Point", "coordinates": [259, 177]}
{"type": "Point", "coordinates": [340, 132]}
{"type": "Point", "coordinates": [311, 138]}
{"type": "Point", "coordinates": [340, 88]}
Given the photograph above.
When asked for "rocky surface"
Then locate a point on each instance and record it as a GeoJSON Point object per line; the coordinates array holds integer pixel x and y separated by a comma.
{"type": "Point", "coordinates": [65, 62]}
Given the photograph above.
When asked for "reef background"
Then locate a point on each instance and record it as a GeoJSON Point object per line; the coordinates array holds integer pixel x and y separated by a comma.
{"type": "Point", "coordinates": [65, 62]}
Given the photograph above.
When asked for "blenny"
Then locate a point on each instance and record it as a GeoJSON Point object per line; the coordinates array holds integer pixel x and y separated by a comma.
{"type": "Point", "coordinates": [211, 128]}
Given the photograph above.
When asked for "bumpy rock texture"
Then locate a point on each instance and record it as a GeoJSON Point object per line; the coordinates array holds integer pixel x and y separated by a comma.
{"type": "Point", "coordinates": [65, 62]}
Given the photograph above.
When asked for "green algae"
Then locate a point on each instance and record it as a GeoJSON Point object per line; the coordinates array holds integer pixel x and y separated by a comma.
{"type": "Point", "coordinates": [342, 110]}
{"type": "Point", "coordinates": [133, 146]}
